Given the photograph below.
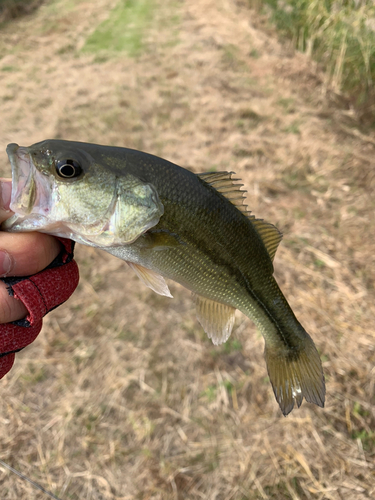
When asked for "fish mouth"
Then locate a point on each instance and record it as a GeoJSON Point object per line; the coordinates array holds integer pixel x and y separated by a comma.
{"type": "Point", "coordinates": [23, 185]}
{"type": "Point", "coordinates": [30, 189]}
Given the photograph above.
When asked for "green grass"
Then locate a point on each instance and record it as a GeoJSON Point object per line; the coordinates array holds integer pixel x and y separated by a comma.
{"type": "Point", "coordinates": [367, 438]}
{"type": "Point", "coordinates": [339, 34]}
{"type": "Point", "coordinates": [287, 104]}
{"type": "Point", "coordinates": [293, 128]}
{"type": "Point", "coordinates": [123, 30]}
{"type": "Point", "coordinates": [9, 68]}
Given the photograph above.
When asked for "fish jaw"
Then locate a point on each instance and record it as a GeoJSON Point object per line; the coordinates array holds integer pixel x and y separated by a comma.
{"type": "Point", "coordinates": [32, 192]}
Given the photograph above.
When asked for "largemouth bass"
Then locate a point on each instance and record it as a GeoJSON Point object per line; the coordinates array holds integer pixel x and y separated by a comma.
{"type": "Point", "coordinates": [168, 222]}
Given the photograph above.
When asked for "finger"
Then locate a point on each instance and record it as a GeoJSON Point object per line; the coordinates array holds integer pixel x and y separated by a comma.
{"type": "Point", "coordinates": [23, 254]}
{"type": "Point", "coordinates": [11, 309]}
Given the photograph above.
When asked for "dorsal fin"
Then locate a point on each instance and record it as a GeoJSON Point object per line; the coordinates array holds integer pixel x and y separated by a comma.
{"type": "Point", "coordinates": [227, 186]}
{"type": "Point", "coordinates": [270, 235]}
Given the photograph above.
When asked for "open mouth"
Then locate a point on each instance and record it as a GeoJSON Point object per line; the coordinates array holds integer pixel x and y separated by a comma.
{"type": "Point", "coordinates": [23, 184]}
{"type": "Point", "coordinates": [31, 191]}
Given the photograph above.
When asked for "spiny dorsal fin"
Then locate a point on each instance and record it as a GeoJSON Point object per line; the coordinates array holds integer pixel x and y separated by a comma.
{"type": "Point", "coordinates": [224, 184]}
{"type": "Point", "coordinates": [270, 235]}
{"type": "Point", "coordinates": [217, 319]}
{"type": "Point", "coordinates": [151, 279]}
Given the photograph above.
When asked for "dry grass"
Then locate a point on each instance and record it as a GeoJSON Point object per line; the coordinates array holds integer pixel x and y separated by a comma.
{"type": "Point", "coordinates": [340, 35]}
{"type": "Point", "coordinates": [122, 396]}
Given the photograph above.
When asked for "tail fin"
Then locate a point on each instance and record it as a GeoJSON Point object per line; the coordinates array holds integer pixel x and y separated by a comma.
{"type": "Point", "coordinates": [295, 375]}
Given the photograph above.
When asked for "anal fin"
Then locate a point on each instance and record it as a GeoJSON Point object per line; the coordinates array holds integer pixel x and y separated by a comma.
{"type": "Point", "coordinates": [151, 279]}
{"type": "Point", "coordinates": [217, 319]}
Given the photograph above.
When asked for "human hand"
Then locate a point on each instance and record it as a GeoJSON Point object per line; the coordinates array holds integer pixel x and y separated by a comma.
{"type": "Point", "coordinates": [37, 274]}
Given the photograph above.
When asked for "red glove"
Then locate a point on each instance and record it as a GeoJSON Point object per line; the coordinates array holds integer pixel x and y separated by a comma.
{"type": "Point", "coordinates": [40, 293]}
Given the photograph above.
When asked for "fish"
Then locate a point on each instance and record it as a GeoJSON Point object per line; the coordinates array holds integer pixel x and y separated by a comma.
{"type": "Point", "coordinates": [167, 222]}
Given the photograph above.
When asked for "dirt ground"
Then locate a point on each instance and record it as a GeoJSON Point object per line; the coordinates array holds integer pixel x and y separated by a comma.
{"type": "Point", "coordinates": [122, 396]}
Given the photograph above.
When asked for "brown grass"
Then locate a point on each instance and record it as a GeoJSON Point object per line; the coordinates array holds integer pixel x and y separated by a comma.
{"type": "Point", "coordinates": [122, 396]}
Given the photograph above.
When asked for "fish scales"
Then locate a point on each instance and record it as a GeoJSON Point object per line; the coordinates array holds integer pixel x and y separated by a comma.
{"type": "Point", "coordinates": [225, 237]}
{"type": "Point", "coordinates": [168, 222]}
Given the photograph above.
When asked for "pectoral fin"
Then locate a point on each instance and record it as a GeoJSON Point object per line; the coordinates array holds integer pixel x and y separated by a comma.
{"type": "Point", "coordinates": [217, 319]}
{"type": "Point", "coordinates": [151, 279]}
{"type": "Point", "coordinates": [160, 240]}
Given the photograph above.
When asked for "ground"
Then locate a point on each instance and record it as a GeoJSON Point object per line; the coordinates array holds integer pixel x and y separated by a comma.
{"type": "Point", "coordinates": [122, 396]}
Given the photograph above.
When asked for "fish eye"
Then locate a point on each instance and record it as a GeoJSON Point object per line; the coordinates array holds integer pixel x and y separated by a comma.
{"type": "Point", "coordinates": [68, 169]}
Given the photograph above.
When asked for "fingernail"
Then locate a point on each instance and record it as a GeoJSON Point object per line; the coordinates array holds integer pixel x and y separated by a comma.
{"type": "Point", "coordinates": [5, 191]}
{"type": "Point", "coordinates": [6, 263]}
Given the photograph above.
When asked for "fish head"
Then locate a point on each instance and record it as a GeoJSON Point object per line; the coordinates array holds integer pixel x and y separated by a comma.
{"type": "Point", "coordinates": [64, 189]}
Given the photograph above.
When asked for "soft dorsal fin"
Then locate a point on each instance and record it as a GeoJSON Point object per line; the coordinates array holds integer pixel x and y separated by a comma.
{"type": "Point", "coordinates": [217, 319]}
{"type": "Point", "coordinates": [224, 184]}
{"type": "Point", "coordinates": [270, 235]}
